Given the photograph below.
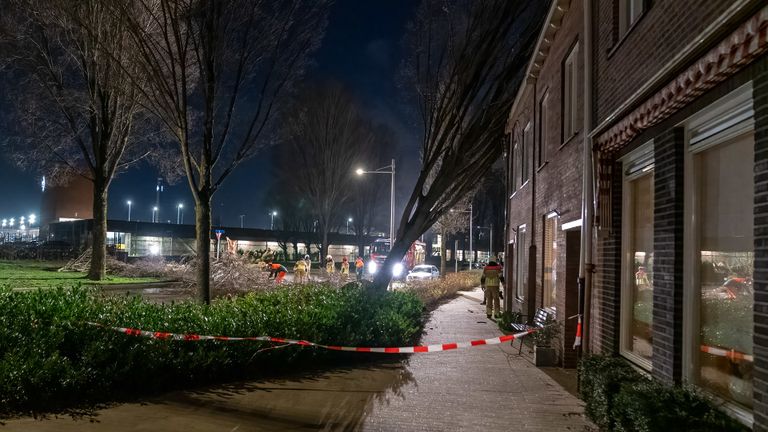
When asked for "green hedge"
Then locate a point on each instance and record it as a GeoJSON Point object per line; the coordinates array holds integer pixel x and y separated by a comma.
{"type": "Point", "coordinates": [618, 398]}
{"type": "Point", "coordinates": [51, 359]}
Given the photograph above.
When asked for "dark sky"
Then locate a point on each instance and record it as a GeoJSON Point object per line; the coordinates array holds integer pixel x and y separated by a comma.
{"type": "Point", "coordinates": [361, 49]}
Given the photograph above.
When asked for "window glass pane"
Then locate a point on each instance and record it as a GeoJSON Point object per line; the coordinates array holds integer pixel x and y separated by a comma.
{"type": "Point", "coordinates": [640, 325]}
{"type": "Point", "coordinates": [543, 129]}
{"type": "Point", "coordinates": [549, 275]}
{"type": "Point", "coordinates": [567, 101]}
{"type": "Point", "coordinates": [520, 267]}
{"type": "Point", "coordinates": [726, 264]}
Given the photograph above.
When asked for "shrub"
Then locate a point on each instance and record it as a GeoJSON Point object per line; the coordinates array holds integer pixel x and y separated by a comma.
{"type": "Point", "coordinates": [618, 398]}
{"type": "Point", "coordinates": [431, 292]}
{"type": "Point", "coordinates": [50, 358]}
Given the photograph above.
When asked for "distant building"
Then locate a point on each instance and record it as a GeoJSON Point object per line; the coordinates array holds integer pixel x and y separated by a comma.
{"type": "Point", "coordinates": [73, 200]}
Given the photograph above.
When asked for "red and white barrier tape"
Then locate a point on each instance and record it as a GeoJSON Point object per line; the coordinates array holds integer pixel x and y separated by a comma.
{"type": "Point", "coordinates": [383, 350]}
{"type": "Point", "coordinates": [731, 354]}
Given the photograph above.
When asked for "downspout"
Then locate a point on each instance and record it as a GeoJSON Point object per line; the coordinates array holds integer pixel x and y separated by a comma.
{"type": "Point", "coordinates": [586, 266]}
{"type": "Point", "coordinates": [531, 303]}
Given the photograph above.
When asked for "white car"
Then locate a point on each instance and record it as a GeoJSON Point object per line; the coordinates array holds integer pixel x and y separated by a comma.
{"type": "Point", "coordinates": [423, 272]}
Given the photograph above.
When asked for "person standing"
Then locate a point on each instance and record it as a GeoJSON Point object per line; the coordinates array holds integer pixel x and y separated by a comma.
{"type": "Point", "coordinates": [300, 270]}
{"type": "Point", "coordinates": [359, 265]}
{"type": "Point", "coordinates": [491, 280]}
{"type": "Point", "coordinates": [345, 268]}
{"type": "Point", "coordinates": [308, 262]}
{"type": "Point", "coordinates": [330, 265]}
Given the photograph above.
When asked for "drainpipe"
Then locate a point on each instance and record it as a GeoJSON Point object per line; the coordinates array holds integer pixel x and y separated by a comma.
{"type": "Point", "coordinates": [587, 207]}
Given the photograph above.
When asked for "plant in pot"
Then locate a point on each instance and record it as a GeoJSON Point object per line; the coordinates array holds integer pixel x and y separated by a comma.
{"type": "Point", "coordinates": [544, 352]}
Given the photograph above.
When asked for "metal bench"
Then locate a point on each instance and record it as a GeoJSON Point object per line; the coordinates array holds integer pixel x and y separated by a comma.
{"type": "Point", "coordinates": [539, 320]}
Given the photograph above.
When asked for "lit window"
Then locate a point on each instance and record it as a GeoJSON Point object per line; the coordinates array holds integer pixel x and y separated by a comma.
{"type": "Point", "coordinates": [549, 271]}
{"type": "Point", "coordinates": [570, 86]}
{"type": "Point", "coordinates": [520, 267]}
{"type": "Point", "coordinates": [637, 264]}
{"type": "Point", "coordinates": [525, 153]}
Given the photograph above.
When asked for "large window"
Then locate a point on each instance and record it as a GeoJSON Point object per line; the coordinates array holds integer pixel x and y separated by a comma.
{"type": "Point", "coordinates": [570, 99]}
{"type": "Point", "coordinates": [549, 270]}
{"type": "Point", "coordinates": [520, 267]}
{"type": "Point", "coordinates": [722, 265]}
{"type": "Point", "coordinates": [637, 264]}
{"type": "Point", "coordinates": [516, 166]}
{"type": "Point", "coordinates": [543, 129]}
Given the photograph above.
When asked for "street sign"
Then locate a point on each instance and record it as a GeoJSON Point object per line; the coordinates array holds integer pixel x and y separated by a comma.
{"type": "Point", "coordinates": [219, 232]}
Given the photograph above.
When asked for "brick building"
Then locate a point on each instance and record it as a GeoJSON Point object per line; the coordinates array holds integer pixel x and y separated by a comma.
{"type": "Point", "coordinates": [546, 141]}
{"type": "Point", "coordinates": [676, 134]}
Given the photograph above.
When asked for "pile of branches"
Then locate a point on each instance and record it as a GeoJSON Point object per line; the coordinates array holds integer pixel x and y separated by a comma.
{"type": "Point", "coordinates": [231, 275]}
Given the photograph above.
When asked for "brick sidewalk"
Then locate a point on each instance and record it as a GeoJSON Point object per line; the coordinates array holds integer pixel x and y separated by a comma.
{"type": "Point", "coordinates": [484, 388]}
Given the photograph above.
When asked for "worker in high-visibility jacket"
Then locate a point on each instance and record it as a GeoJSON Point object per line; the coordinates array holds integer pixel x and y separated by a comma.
{"type": "Point", "coordinates": [491, 280]}
{"type": "Point", "coordinates": [278, 271]}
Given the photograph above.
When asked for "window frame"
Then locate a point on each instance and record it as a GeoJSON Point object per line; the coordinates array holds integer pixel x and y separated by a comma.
{"type": "Point", "coordinates": [520, 262]}
{"type": "Point", "coordinates": [637, 164]}
{"type": "Point", "coordinates": [543, 130]}
{"type": "Point", "coordinates": [546, 218]}
{"type": "Point", "coordinates": [709, 128]}
{"type": "Point", "coordinates": [527, 137]}
{"type": "Point", "coordinates": [570, 92]}
{"type": "Point", "coordinates": [627, 15]}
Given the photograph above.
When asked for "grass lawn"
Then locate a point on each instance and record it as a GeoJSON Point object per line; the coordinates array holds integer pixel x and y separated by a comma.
{"type": "Point", "coordinates": [44, 274]}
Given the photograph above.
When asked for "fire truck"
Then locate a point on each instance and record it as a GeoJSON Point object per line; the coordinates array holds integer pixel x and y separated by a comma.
{"type": "Point", "coordinates": [379, 250]}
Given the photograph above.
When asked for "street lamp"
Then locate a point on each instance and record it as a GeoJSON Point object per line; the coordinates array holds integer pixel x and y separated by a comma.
{"type": "Point", "coordinates": [129, 209]}
{"type": "Point", "coordinates": [391, 171]}
{"type": "Point", "coordinates": [242, 218]}
{"type": "Point", "coordinates": [272, 221]}
{"type": "Point", "coordinates": [32, 219]}
{"type": "Point", "coordinates": [348, 221]}
{"type": "Point", "coordinates": [154, 213]}
{"type": "Point", "coordinates": [179, 214]}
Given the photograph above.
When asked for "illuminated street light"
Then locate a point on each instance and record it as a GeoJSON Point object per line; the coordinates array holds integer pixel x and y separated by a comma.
{"type": "Point", "coordinates": [32, 219]}
{"type": "Point", "coordinates": [5, 223]}
{"type": "Point", "coordinates": [129, 209]}
{"type": "Point", "coordinates": [272, 222]}
{"type": "Point", "coordinates": [12, 221]}
{"type": "Point", "coordinates": [179, 214]}
{"type": "Point", "coordinates": [348, 221]}
{"type": "Point", "coordinates": [391, 171]}
{"type": "Point", "coordinates": [154, 213]}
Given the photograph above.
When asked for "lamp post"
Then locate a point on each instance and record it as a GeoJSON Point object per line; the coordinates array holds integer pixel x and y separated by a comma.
{"type": "Point", "coordinates": [348, 221]}
{"type": "Point", "coordinates": [391, 171]}
{"type": "Point", "coordinates": [242, 218]}
{"type": "Point", "coordinates": [272, 221]}
{"type": "Point", "coordinates": [154, 214]}
{"type": "Point", "coordinates": [179, 214]}
{"type": "Point", "coordinates": [129, 209]}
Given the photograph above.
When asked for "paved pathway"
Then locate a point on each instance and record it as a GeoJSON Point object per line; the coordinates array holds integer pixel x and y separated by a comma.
{"type": "Point", "coordinates": [478, 389]}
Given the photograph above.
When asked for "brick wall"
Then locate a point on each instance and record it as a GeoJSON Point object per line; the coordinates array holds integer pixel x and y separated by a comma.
{"type": "Point", "coordinates": [604, 336]}
{"type": "Point", "coordinates": [760, 379]}
{"type": "Point", "coordinates": [623, 65]}
{"type": "Point", "coordinates": [669, 148]}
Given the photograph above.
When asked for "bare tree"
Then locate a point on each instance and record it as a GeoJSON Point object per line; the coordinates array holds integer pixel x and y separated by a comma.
{"type": "Point", "coordinates": [467, 62]}
{"type": "Point", "coordinates": [75, 112]}
{"type": "Point", "coordinates": [365, 204]}
{"type": "Point", "coordinates": [325, 139]}
{"type": "Point", "coordinates": [218, 72]}
{"type": "Point", "coordinates": [449, 224]}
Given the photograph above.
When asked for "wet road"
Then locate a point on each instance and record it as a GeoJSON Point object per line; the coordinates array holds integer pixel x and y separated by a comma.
{"type": "Point", "coordinates": [485, 388]}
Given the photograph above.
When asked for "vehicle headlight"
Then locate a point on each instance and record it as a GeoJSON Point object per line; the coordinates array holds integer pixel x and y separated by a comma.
{"type": "Point", "coordinates": [397, 269]}
{"type": "Point", "coordinates": [372, 267]}
{"type": "Point", "coordinates": [154, 249]}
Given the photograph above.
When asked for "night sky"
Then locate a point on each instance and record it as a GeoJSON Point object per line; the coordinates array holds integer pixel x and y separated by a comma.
{"type": "Point", "coordinates": [362, 49]}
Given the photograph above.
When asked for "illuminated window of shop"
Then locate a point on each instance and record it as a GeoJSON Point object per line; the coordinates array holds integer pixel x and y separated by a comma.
{"type": "Point", "coordinates": [636, 336]}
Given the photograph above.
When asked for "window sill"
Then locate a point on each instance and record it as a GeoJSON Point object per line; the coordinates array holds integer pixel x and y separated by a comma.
{"type": "Point", "coordinates": [642, 365]}
{"type": "Point", "coordinates": [623, 37]}
{"type": "Point", "coordinates": [566, 142]}
{"type": "Point", "coordinates": [541, 167]}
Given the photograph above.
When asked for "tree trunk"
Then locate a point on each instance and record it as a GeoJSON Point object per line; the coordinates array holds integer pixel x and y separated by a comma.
{"type": "Point", "coordinates": [98, 269]}
{"type": "Point", "coordinates": [203, 247]}
{"type": "Point", "coordinates": [324, 246]}
{"type": "Point", "coordinates": [443, 257]}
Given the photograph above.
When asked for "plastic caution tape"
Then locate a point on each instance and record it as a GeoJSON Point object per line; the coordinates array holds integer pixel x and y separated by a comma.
{"type": "Point", "coordinates": [731, 354]}
{"type": "Point", "coordinates": [577, 339]}
{"type": "Point", "coordinates": [383, 350]}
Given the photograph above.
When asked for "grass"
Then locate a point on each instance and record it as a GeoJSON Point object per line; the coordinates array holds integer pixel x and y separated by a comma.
{"type": "Point", "coordinates": [23, 275]}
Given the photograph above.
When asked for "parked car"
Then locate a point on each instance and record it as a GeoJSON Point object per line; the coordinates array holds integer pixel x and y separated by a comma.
{"type": "Point", "coordinates": [423, 272]}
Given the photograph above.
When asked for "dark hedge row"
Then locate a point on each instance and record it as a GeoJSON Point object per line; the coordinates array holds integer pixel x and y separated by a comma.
{"type": "Point", "coordinates": [619, 398]}
{"type": "Point", "coordinates": [50, 359]}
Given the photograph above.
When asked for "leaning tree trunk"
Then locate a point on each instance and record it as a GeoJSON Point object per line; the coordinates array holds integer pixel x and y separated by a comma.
{"type": "Point", "coordinates": [203, 247]}
{"type": "Point", "coordinates": [324, 246]}
{"type": "Point", "coordinates": [98, 269]}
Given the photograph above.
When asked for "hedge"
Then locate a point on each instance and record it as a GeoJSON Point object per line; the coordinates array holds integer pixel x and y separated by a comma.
{"type": "Point", "coordinates": [619, 398]}
{"type": "Point", "coordinates": [51, 359]}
